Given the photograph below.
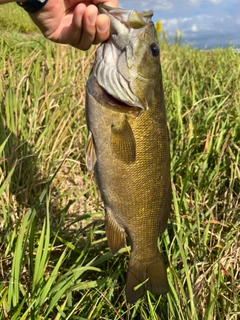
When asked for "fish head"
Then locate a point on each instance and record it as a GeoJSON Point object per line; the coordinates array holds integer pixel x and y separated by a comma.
{"type": "Point", "coordinates": [127, 65]}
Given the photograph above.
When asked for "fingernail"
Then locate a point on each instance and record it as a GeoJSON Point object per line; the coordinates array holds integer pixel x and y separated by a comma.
{"type": "Point", "coordinates": [102, 28]}
{"type": "Point", "coordinates": [92, 19]}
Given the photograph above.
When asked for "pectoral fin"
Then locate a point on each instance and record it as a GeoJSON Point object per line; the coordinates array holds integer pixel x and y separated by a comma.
{"type": "Point", "coordinates": [91, 157]}
{"type": "Point", "coordinates": [123, 144]}
{"type": "Point", "coordinates": [115, 234]}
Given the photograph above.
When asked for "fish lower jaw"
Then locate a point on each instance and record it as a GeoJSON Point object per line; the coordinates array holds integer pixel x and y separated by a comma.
{"type": "Point", "coordinates": [120, 105]}
{"type": "Point", "coordinates": [116, 104]}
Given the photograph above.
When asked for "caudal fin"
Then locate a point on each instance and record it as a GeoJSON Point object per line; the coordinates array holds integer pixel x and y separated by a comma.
{"type": "Point", "coordinates": [151, 275]}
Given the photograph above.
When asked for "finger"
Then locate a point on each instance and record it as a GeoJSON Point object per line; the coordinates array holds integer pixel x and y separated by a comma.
{"type": "Point", "coordinates": [88, 28]}
{"type": "Point", "coordinates": [75, 30]}
{"type": "Point", "coordinates": [110, 3]}
{"type": "Point", "coordinates": [102, 28]}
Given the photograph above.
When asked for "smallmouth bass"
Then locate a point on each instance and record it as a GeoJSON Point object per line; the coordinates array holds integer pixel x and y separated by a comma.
{"type": "Point", "coordinates": [128, 145]}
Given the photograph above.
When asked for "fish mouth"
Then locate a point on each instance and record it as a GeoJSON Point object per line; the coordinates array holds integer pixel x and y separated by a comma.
{"type": "Point", "coordinates": [114, 86]}
{"type": "Point", "coordinates": [109, 101]}
{"type": "Point", "coordinates": [111, 68]}
{"type": "Point", "coordinates": [118, 105]}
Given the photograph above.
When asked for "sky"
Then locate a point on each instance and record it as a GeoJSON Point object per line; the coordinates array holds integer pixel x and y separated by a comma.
{"type": "Point", "coordinates": [205, 24]}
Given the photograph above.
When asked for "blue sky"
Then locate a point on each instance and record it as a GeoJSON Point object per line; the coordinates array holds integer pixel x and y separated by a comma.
{"type": "Point", "coordinates": [204, 23]}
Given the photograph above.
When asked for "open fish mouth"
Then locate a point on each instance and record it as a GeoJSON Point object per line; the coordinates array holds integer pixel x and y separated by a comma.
{"type": "Point", "coordinates": [116, 89]}
{"type": "Point", "coordinates": [111, 68]}
{"type": "Point", "coordinates": [119, 105]}
{"type": "Point", "coordinates": [109, 101]}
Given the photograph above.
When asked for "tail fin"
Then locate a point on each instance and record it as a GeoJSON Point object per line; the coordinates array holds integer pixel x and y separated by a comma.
{"type": "Point", "coordinates": [150, 276]}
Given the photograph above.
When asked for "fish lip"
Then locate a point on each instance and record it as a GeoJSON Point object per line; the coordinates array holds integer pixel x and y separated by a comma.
{"type": "Point", "coordinates": [103, 8]}
{"type": "Point", "coordinates": [129, 19]}
{"type": "Point", "coordinates": [118, 24]}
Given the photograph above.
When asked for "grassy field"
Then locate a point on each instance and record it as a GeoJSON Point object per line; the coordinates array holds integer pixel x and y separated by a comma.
{"type": "Point", "coordinates": [55, 262]}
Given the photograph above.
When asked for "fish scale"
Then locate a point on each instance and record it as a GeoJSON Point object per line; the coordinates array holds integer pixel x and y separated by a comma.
{"type": "Point", "coordinates": [129, 146]}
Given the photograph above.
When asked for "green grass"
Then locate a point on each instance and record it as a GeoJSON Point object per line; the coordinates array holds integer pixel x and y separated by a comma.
{"type": "Point", "coordinates": [55, 262]}
{"type": "Point", "coordinates": [15, 19]}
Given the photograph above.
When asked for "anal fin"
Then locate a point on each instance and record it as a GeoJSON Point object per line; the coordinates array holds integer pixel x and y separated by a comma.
{"type": "Point", "coordinates": [115, 234]}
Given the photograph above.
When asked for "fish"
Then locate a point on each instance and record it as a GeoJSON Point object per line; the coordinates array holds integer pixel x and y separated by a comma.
{"type": "Point", "coordinates": [128, 145]}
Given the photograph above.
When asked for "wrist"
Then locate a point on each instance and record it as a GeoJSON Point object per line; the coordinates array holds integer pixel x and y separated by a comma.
{"type": "Point", "coordinates": [32, 6]}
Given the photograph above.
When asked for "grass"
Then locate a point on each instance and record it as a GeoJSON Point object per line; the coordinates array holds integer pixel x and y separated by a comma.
{"type": "Point", "coordinates": [55, 262]}
{"type": "Point", "coordinates": [15, 19]}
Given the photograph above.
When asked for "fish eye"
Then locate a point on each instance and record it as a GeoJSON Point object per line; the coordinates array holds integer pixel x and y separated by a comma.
{"type": "Point", "coordinates": [154, 47]}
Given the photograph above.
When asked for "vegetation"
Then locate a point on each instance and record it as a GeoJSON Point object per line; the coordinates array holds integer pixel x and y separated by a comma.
{"type": "Point", "coordinates": [14, 19]}
{"type": "Point", "coordinates": [55, 262]}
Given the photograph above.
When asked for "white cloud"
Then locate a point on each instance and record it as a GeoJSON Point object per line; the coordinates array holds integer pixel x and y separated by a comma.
{"type": "Point", "coordinates": [215, 1]}
{"type": "Point", "coordinates": [204, 30]}
{"type": "Point", "coordinates": [167, 5]}
{"type": "Point", "coordinates": [147, 5]}
{"type": "Point", "coordinates": [194, 28]}
{"type": "Point", "coordinates": [187, 19]}
{"type": "Point", "coordinates": [203, 22]}
{"type": "Point", "coordinates": [157, 4]}
{"type": "Point", "coordinates": [194, 1]}
{"type": "Point", "coordinates": [170, 22]}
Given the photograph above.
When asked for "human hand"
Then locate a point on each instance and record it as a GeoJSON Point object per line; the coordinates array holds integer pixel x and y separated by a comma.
{"type": "Point", "coordinates": [74, 22]}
